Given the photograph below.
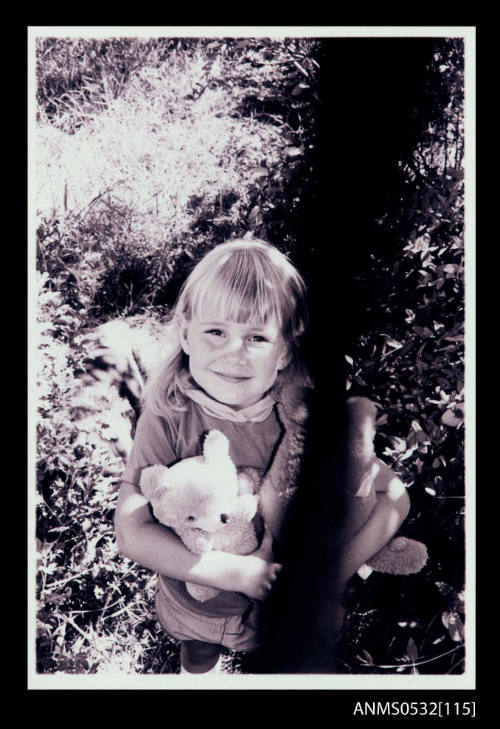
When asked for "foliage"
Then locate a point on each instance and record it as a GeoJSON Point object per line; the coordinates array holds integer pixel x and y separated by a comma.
{"type": "Point", "coordinates": [187, 151]}
{"type": "Point", "coordinates": [94, 605]}
{"type": "Point", "coordinates": [80, 74]}
{"type": "Point", "coordinates": [412, 363]}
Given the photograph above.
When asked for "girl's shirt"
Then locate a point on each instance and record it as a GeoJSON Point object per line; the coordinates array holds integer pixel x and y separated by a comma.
{"type": "Point", "coordinates": [159, 440]}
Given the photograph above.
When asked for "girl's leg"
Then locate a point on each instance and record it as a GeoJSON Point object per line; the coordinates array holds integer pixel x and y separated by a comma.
{"type": "Point", "coordinates": [198, 656]}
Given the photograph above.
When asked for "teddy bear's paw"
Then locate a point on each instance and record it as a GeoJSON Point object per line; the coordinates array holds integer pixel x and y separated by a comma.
{"type": "Point", "coordinates": [201, 592]}
{"type": "Point", "coordinates": [402, 556]}
{"type": "Point", "coordinates": [244, 508]}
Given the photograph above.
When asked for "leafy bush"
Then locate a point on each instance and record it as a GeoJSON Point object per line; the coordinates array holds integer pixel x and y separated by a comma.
{"type": "Point", "coordinates": [95, 607]}
{"type": "Point", "coordinates": [411, 361]}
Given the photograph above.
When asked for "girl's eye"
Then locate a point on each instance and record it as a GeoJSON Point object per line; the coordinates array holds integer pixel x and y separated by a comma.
{"type": "Point", "coordinates": [258, 338]}
{"type": "Point", "coordinates": [216, 332]}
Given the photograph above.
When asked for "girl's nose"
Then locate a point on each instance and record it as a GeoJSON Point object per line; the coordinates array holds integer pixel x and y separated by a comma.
{"type": "Point", "coordinates": [236, 349]}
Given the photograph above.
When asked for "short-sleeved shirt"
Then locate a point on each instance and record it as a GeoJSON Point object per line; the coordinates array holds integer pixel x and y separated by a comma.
{"type": "Point", "coordinates": [162, 440]}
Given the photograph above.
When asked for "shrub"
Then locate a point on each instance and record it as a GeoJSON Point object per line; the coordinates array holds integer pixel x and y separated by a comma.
{"type": "Point", "coordinates": [411, 361]}
{"type": "Point", "coordinates": [94, 606]}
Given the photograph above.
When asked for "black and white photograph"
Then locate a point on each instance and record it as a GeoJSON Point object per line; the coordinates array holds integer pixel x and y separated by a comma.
{"type": "Point", "coordinates": [252, 410]}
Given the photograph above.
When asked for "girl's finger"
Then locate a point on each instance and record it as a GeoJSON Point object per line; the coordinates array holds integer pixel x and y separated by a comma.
{"type": "Point", "coordinates": [267, 541]}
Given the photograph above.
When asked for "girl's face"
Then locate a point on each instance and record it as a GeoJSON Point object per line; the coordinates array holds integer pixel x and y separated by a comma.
{"type": "Point", "coordinates": [234, 363]}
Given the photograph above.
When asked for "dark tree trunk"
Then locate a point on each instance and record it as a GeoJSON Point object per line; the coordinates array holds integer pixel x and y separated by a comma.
{"type": "Point", "coordinates": [369, 90]}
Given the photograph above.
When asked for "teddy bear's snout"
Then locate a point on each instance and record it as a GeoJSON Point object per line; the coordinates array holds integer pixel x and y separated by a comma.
{"type": "Point", "coordinates": [224, 518]}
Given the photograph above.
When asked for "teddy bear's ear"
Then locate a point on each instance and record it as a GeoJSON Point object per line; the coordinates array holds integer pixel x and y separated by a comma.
{"type": "Point", "coordinates": [216, 446]}
{"type": "Point", "coordinates": [153, 480]}
{"type": "Point", "coordinates": [249, 481]}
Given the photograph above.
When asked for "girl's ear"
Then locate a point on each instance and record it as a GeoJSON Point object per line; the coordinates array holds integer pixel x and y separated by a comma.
{"type": "Point", "coordinates": [183, 327]}
{"type": "Point", "coordinates": [285, 359]}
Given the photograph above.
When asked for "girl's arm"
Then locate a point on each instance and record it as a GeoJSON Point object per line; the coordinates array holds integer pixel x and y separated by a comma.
{"type": "Point", "coordinates": [145, 541]}
{"type": "Point", "coordinates": [390, 511]}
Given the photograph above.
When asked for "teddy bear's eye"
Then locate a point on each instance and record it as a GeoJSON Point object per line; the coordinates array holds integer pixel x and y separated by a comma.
{"type": "Point", "coordinates": [190, 518]}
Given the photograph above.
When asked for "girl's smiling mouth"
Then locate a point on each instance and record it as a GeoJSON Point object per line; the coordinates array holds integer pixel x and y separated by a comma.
{"type": "Point", "coordinates": [232, 378]}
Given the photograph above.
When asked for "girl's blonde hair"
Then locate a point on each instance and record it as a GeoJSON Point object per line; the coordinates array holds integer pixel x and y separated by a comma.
{"type": "Point", "coordinates": [244, 280]}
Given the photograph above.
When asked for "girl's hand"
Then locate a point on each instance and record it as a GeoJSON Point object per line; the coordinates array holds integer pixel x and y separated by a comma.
{"type": "Point", "coordinates": [265, 549]}
{"type": "Point", "coordinates": [156, 547]}
{"type": "Point", "coordinates": [258, 572]}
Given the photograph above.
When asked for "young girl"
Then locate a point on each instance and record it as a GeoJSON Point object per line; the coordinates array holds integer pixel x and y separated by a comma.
{"type": "Point", "coordinates": [234, 336]}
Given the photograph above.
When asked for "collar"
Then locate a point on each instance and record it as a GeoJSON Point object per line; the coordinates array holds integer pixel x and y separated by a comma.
{"type": "Point", "coordinates": [255, 413]}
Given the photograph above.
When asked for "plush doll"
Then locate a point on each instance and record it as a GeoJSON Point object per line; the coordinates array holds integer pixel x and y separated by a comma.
{"type": "Point", "coordinates": [361, 469]}
{"type": "Point", "coordinates": [206, 501]}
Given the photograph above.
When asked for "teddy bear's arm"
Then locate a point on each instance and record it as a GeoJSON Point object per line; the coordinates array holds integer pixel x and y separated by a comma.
{"type": "Point", "coordinates": [244, 507]}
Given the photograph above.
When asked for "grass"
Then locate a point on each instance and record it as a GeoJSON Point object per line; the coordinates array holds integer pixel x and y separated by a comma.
{"type": "Point", "coordinates": [186, 154]}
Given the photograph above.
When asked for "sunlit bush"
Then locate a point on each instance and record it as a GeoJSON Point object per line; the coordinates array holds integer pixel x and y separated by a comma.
{"type": "Point", "coordinates": [190, 150]}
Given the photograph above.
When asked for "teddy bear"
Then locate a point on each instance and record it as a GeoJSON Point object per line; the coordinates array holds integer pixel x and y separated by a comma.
{"type": "Point", "coordinates": [207, 501]}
